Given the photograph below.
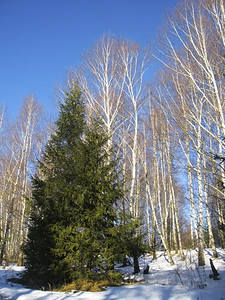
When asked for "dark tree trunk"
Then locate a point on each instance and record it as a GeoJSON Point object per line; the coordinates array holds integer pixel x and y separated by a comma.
{"type": "Point", "coordinates": [136, 264]}
{"type": "Point", "coordinates": [154, 244]}
{"type": "Point", "coordinates": [146, 270]}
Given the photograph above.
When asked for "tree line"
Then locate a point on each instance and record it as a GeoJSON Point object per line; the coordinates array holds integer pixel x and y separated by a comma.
{"type": "Point", "coordinates": [167, 134]}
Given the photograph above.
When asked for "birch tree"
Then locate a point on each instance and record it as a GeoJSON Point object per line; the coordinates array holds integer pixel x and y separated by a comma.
{"type": "Point", "coordinates": [134, 62]}
{"type": "Point", "coordinates": [193, 53]}
{"type": "Point", "coordinates": [16, 171]}
{"type": "Point", "coordinates": [102, 82]}
{"type": "Point", "coordinates": [113, 83]}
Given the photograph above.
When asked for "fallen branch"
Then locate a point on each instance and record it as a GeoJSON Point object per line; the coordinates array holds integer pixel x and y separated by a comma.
{"type": "Point", "coordinates": [215, 273]}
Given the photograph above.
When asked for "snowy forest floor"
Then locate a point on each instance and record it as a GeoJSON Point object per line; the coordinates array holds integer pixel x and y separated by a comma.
{"type": "Point", "coordinates": [184, 280]}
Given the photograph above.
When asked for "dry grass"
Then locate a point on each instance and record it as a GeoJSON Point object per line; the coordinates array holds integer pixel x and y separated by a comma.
{"type": "Point", "coordinates": [88, 285]}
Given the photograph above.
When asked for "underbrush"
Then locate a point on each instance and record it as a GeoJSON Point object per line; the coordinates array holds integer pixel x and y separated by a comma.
{"type": "Point", "coordinates": [86, 282]}
{"type": "Point", "coordinates": [93, 283]}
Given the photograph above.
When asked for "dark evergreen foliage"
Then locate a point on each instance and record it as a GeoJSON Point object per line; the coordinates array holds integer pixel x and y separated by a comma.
{"type": "Point", "coordinates": [74, 225]}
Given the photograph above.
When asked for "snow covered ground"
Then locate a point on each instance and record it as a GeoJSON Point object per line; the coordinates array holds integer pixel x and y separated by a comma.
{"type": "Point", "coordinates": [182, 281]}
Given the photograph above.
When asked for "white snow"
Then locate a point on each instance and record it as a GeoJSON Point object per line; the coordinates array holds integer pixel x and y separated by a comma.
{"type": "Point", "coordinates": [184, 281]}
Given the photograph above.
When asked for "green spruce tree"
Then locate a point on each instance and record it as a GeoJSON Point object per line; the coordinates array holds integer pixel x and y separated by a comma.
{"type": "Point", "coordinates": [74, 222]}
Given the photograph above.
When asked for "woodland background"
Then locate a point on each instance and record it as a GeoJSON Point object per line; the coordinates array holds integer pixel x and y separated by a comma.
{"type": "Point", "coordinates": [169, 128]}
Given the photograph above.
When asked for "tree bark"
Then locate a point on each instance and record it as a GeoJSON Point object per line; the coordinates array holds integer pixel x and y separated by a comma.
{"type": "Point", "coordinates": [136, 264]}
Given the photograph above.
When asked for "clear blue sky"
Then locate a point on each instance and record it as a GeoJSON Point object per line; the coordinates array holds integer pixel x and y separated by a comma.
{"type": "Point", "coordinates": [40, 40]}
